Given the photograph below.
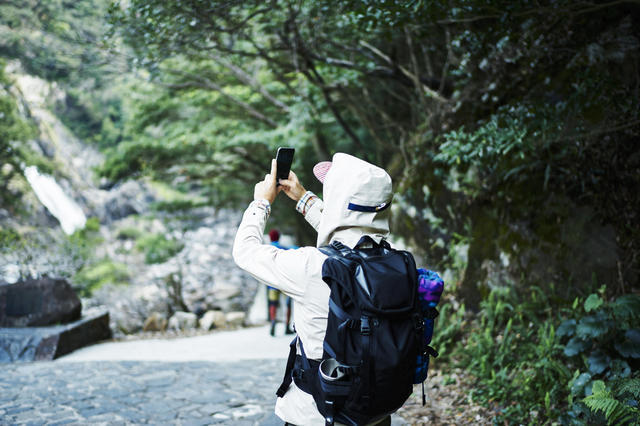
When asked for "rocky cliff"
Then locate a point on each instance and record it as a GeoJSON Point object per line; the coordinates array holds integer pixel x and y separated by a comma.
{"type": "Point", "coordinates": [126, 235]}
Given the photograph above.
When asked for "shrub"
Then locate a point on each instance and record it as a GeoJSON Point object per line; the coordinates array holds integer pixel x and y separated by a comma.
{"type": "Point", "coordinates": [85, 240]}
{"type": "Point", "coordinates": [537, 360]}
{"type": "Point", "coordinates": [603, 346]}
{"type": "Point", "coordinates": [177, 205]}
{"type": "Point", "coordinates": [616, 406]}
{"type": "Point", "coordinates": [158, 248]}
{"type": "Point", "coordinates": [449, 329]}
{"type": "Point", "coordinates": [93, 276]}
{"type": "Point", "coordinates": [514, 353]}
{"type": "Point", "coordinates": [129, 234]}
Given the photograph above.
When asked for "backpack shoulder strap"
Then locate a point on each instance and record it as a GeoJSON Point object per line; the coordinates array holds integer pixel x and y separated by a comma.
{"type": "Point", "coordinates": [286, 381]}
{"type": "Point", "coordinates": [367, 239]}
{"type": "Point", "coordinates": [336, 248]}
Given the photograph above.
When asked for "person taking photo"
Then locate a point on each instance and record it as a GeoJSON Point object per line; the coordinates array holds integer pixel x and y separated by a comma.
{"type": "Point", "coordinates": [356, 195]}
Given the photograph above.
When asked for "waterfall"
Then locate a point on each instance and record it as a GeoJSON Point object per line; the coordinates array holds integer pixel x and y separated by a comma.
{"type": "Point", "coordinates": [59, 204]}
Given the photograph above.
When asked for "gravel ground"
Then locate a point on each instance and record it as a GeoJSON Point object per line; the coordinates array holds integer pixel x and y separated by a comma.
{"type": "Point", "coordinates": [447, 401]}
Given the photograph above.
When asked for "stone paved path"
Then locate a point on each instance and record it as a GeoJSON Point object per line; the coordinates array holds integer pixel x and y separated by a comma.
{"type": "Point", "coordinates": [218, 380]}
{"type": "Point", "coordinates": [139, 392]}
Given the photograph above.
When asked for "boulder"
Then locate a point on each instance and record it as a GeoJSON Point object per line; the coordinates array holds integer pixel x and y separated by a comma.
{"type": "Point", "coordinates": [19, 344]}
{"type": "Point", "coordinates": [226, 291]}
{"type": "Point", "coordinates": [213, 319]}
{"type": "Point", "coordinates": [131, 197]}
{"type": "Point", "coordinates": [183, 321]}
{"type": "Point", "coordinates": [155, 322]}
{"type": "Point", "coordinates": [235, 319]}
{"type": "Point", "coordinates": [38, 302]}
{"type": "Point", "coordinates": [130, 306]}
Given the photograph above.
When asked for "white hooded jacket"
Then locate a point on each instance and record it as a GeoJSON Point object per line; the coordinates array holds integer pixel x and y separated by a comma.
{"type": "Point", "coordinates": [298, 273]}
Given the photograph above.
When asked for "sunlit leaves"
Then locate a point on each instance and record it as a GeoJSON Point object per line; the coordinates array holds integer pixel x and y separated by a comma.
{"type": "Point", "coordinates": [593, 302]}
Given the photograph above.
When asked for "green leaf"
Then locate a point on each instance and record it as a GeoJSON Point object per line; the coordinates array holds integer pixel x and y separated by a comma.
{"type": "Point", "coordinates": [627, 307]}
{"type": "Point", "coordinates": [576, 346]}
{"type": "Point", "coordinates": [593, 326]}
{"type": "Point", "coordinates": [599, 387]}
{"type": "Point", "coordinates": [579, 384]}
{"type": "Point", "coordinates": [629, 386]}
{"type": "Point", "coordinates": [630, 347]}
{"type": "Point", "coordinates": [593, 302]}
{"type": "Point", "coordinates": [567, 328]}
{"type": "Point", "coordinates": [598, 362]}
{"type": "Point", "coordinates": [614, 411]}
{"type": "Point", "coordinates": [619, 368]}
{"type": "Point", "coordinates": [574, 306]}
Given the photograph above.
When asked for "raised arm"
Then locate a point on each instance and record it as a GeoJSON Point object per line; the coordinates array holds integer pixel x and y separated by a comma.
{"type": "Point", "coordinates": [307, 203]}
{"type": "Point", "coordinates": [283, 269]}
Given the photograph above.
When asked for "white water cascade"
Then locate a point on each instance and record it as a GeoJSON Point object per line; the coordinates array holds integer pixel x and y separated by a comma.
{"type": "Point", "coordinates": [59, 204]}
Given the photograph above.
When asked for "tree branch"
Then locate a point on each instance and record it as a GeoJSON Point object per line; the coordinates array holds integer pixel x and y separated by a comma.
{"type": "Point", "coordinates": [539, 10]}
{"type": "Point", "coordinates": [416, 71]}
{"type": "Point", "coordinates": [247, 79]}
{"type": "Point", "coordinates": [298, 46]}
{"type": "Point", "coordinates": [427, 90]}
{"type": "Point", "coordinates": [205, 83]}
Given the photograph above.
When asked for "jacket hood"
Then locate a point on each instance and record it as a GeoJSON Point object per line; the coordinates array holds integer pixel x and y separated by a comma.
{"type": "Point", "coordinates": [351, 180]}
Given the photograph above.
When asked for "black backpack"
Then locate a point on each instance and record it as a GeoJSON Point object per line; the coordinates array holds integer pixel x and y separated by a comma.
{"type": "Point", "coordinates": [373, 337]}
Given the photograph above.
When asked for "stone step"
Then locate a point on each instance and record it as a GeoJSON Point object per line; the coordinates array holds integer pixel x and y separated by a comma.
{"type": "Point", "coordinates": [46, 343]}
{"type": "Point", "coordinates": [38, 302]}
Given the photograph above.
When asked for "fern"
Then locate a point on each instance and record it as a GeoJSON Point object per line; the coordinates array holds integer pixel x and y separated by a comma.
{"type": "Point", "coordinates": [614, 411]}
{"type": "Point", "coordinates": [629, 386]}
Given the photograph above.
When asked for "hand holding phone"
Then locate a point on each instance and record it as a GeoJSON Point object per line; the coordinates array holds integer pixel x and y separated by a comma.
{"type": "Point", "coordinates": [284, 158]}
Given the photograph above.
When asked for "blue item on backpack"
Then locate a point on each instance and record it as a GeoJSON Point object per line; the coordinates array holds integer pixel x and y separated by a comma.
{"type": "Point", "coordinates": [430, 287]}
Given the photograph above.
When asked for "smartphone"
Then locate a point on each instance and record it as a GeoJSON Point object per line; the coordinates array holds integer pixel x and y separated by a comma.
{"type": "Point", "coordinates": [284, 158]}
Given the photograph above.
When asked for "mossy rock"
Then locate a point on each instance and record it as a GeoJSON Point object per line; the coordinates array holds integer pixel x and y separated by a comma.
{"type": "Point", "coordinates": [158, 248]}
{"type": "Point", "coordinates": [92, 277]}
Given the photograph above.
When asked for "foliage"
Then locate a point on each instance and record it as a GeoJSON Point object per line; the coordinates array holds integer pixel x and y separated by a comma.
{"type": "Point", "coordinates": [14, 130]}
{"type": "Point", "coordinates": [8, 237]}
{"type": "Point", "coordinates": [198, 139]}
{"type": "Point", "coordinates": [129, 233]}
{"type": "Point", "coordinates": [536, 359]}
{"type": "Point", "coordinates": [87, 238]}
{"type": "Point", "coordinates": [94, 275]}
{"type": "Point", "coordinates": [63, 41]}
{"type": "Point", "coordinates": [34, 254]}
{"type": "Point", "coordinates": [449, 328]}
{"type": "Point", "coordinates": [54, 39]}
{"type": "Point", "coordinates": [158, 248]}
{"type": "Point", "coordinates": [615, 411]}
{"type": "Point", "coordinates": [514, 352]}
{"type": "Point", "coordinates": [603, 346]}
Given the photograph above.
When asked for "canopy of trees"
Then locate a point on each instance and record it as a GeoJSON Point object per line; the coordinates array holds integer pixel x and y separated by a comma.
{"type": "Point", "coordinates": [510, 126]}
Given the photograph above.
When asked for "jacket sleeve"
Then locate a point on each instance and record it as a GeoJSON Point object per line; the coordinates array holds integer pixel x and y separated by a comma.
{"type": "Point", "coordinates": [285, 270]}
{"type": "Point", "coordinates": [315, 213]}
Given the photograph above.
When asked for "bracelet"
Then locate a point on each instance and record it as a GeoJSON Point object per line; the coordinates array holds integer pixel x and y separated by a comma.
{"type": "Point", "coordinates": [304, 206]}
{"type": "Point", "coordinates": [312, 201]}
{"type": "Point", "coordinates": [303, 200]}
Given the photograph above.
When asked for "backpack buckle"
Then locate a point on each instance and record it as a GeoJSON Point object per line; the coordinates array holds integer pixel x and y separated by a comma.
{"type": "Point", "coordinates": [432, 352]}
{"type": "Point", "coordinates": [365, 329]}
{"type": "Point", "coordinates": [297, 373]}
